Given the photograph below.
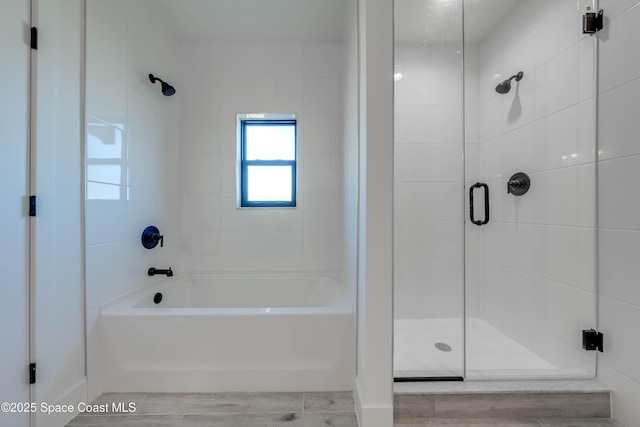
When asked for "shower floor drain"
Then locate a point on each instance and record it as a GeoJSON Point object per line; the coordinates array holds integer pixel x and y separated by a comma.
{"type": "Point", "coordinates": [442, 346]}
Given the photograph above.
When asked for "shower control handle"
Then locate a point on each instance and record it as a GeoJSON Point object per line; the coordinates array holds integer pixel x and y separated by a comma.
{"type": "Point", "coordinates": [486, 203]}
{"type": "Point", "coordinates": [518, 184]}
{"type": "Point", "coordinates": [151, 237]}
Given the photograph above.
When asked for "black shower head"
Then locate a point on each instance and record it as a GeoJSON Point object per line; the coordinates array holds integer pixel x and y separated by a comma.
{"type": "Point", "coordinates": [505, 86]}
{"type": "Point", "coordinates": [167, 89]}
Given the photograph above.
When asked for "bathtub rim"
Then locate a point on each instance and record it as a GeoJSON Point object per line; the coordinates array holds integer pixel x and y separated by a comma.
{"type": "Point", "coordinates": [123, 305]}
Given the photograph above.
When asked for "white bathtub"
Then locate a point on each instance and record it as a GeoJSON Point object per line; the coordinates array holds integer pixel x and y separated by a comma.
{"type": "Point", "coordinates": [230, 333]}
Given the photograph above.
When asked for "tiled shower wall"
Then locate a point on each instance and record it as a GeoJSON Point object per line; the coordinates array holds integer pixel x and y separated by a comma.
{"type": "Point", "coordinates": [619, 205]}
{"type": "Point", "coordinates": [538, 251]}
{"type": "Point", "coordinates": [132, 150]}
{"type": "Point", "coordinates": [428, 237]}
{"type": "Point", "coordinates": [221, 79]}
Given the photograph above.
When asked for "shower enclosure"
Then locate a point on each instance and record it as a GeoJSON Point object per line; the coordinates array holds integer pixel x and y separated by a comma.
{"type": "Point", "coordinates": [494, 189]}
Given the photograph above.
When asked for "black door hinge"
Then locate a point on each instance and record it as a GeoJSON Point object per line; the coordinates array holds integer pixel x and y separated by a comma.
{"type": "Point", "coordinates": [592, 22]}
{"type": "Point", "coordinates": [32, 205]}
{"type": "Point", "coordinates": [32, 373]}
{"type": "Point", "coordinates": [592, 340]}
{"type": "Point", "coordinates": [34, 38]}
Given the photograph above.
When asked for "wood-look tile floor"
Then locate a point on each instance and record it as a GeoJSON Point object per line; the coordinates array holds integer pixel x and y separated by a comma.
{"type": "Point", "coordinates": [333, 409]}
{"type": "Point", "coordinates": [223, 410]}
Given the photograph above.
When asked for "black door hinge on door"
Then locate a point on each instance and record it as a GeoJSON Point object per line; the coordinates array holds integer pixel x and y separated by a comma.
{"type": "Point", "coordinates": [32, 373]}
{"type": "Point", "coordinates": [34, 38]}
{"type": "Point", "coordinates": [592, 340]}
{"type": "Point", "coordinates": [592, 22]}
{"type": "Point", "coordinates": [32, 205]}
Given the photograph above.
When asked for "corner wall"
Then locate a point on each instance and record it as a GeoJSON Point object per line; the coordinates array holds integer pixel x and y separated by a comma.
{"type": "Point", "coordinates": [619, 206]}
{"type": "Point", "coordinates": [132, 152]}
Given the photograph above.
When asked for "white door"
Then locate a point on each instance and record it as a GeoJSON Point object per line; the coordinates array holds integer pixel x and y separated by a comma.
{"type": "Point", "coordinates": [14, 214]}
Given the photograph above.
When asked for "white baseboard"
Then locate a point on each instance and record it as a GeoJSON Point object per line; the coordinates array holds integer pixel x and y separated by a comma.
{"type": "Point", "coordinates": [371, 415]}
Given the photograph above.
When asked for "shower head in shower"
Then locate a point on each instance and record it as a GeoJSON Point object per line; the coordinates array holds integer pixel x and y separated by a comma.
{"type": "Point", "coordinates": [167, 89]}
{"type": "Point", "coordinates": [505, 86]}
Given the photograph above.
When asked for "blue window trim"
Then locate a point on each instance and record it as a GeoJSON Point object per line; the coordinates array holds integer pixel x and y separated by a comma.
{"type": "Point", "coordinates": [244, 165]}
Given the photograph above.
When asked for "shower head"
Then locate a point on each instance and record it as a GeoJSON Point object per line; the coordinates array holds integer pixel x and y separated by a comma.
{"type": "Point", "coordinates": [167, 89]}
{"type": "Point", "coordinates": [505, 86]}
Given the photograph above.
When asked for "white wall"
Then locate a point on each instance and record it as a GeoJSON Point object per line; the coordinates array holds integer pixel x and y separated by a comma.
{"type": "Point", "coordinates": [539, 249]}
{"type": "Point", "coordinates": [374, 377]}
{"type": "Point", "coordinates": [221, 79]}
{"type": "Point", "coordinates": [428, 238]}
{"type": "Point", "coordinates": [132, 155]}
{"type": "Point", "coordinates": [619, 206]}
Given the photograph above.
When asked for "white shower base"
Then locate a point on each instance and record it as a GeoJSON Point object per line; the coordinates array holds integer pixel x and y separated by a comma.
{"type": "Point", "coordinates": [490, 353]}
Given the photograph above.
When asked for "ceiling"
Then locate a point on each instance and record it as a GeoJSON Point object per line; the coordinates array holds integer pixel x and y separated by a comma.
{"type": "Point", "coordinates": [440, 21]}
{"type": "Point", "coordinates": [255, 20]}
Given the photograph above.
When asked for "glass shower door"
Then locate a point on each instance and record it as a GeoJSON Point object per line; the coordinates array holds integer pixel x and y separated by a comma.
{"type": "Point", "coordinates": [428, 205]}
{"type": "Point", "coordinates": [530, 283]}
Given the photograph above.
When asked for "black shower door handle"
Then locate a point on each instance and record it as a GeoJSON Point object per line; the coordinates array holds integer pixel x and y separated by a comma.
{"type": "Point", "coordinates": [486, 203]}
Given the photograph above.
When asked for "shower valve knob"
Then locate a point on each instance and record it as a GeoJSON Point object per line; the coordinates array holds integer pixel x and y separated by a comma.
{"type": "Point", "coordinates": [151, 237]}
{"type": "Point", "coordinates": [518, 184]}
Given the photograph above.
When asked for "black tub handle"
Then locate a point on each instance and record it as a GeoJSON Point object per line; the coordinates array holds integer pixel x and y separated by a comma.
{"type": "Point", "coordinates": [486, 203]}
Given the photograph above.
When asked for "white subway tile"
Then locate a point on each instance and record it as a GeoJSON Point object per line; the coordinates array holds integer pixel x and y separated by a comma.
{"type": "Point", "coordinates": [618, 199]}
{"type": "Point", "coordinates": [615, 8]}
{"type": "Point", "coordinates": [625, 392]}
{"type": "Point", "coordinates": [564, 313]}
{"type": "Point", "coordinates": [618, 261]}
{"type": "Point", "coordinates": [316, 60]}
{"type": "Point", "coordinates": [556, 253]}
{"type": "Point", "coordinates": [587, 259]}
{"type": "Point", "coordinates": [618, 126]}
{"type": "Point", "coordinates": [322, 251]}
{"type": "Point", "coordinates": [201, 212]}
{"type": "Point", "coordinates": [428, 239]}
{"type": "Point", "coordinates": [587, 131]}
{"type": "Point", "coordinates": [616, 63]}
{"type": "Point", "coordinates": [518, 250]}
{"type": "Point", "coordinates": [587, 195]}
{"type": "Point", "coordinates": [102, 287]}
{"type": "Point", "coordinates": [556, 140]}
{"type": "Point", "coordinates": [107, 62]}
{"type": "Point", "coordinates": [556, 196]}
{"type": "Point", "coordinates": [141, 210]}
{"type": "Point", "coordinates": [518, 150]}
{"type": "Point", "coordinates": [234, 59]}
{"type": "Point", "coordinates": [262, 94]}
{"type": "Point", "coordinates": [428, 201]}
{"type": "Point", "coordinates": [105, 220]}
{"type": "Point", "coordinates": [558, 27]}
{"type": "Point", "coordinates": [201, 173]}
{"type": "Point", "coordinates": [618, 322]}
{"type": "Point", "coordinates": [493, 161]}
{"type": "Point", "coordinates": [556, 83]}
{"type": "Point", "coordinates": [314, 135]}
{"type": "Point", "coordinates": [316, 95]}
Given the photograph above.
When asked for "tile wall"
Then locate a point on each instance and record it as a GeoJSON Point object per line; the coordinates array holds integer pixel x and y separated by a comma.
{"type": "Point", "coordinates": [221, 79]}
{"type": "Point", "coordinates": [428, 176]}
{"type": "Point", "coordinates": [619, 205]}
{"type": "Point", "coordinates": [537, 268]}
{"type": "Point", "coordinates": [132, 153]}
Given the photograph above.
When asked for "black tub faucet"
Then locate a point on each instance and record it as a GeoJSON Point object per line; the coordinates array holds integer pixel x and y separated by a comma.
{"type": "Point", "coordinates": [153, 271]}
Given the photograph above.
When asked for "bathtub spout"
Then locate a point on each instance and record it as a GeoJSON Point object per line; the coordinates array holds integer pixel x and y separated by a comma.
{"type": "Point", "coordinates": [153, 271]}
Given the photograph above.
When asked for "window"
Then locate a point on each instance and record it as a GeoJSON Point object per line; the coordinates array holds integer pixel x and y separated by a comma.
{"type": "Point", "coordinates": [267, 160]}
